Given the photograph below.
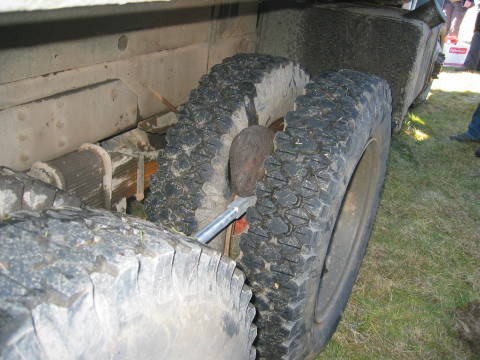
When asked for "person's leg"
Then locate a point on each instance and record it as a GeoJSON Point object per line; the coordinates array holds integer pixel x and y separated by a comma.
{"type": "Point", "coordinates": [473, 132]}
{"type": "Point", "coordinates": [457, 18]}
{"type": "Point", "coordinates": [448, 8]}
{"type": "Point", "coordinates": [472, 62]}
{"type": "Point", "coordinates": [474, 126]}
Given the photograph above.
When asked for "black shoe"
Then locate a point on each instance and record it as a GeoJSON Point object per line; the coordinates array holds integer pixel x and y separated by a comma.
{"type": "Point", "coordinates": [477, 153]}
{"type": "Point", "coordinates": [464, 138]}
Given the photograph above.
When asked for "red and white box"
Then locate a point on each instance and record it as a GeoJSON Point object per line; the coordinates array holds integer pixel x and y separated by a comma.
{"type": "Point", "coordinates": [455, 54]}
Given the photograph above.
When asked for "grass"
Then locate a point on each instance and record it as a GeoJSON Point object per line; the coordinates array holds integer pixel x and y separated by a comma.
{"type": "Point", "coordinates": [423, 260]}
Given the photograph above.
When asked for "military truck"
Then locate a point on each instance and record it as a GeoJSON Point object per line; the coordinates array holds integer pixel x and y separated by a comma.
{"type": "Point", "coordinates": [205, 108]}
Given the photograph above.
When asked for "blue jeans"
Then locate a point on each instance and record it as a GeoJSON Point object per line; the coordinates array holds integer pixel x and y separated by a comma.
{"type": "Point", "coordinates": [472, 62]}
{"type": "Point", "coordinates": [474, 126]}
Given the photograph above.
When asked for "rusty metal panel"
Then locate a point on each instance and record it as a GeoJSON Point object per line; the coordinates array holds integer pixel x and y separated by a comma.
{"type": "Point", "coordinates": [124, 182]}
{"type": "Point", "coordinates": [48, 128]}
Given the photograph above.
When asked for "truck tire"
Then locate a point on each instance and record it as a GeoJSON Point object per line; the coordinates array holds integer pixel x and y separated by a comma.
{"type": "Point", "coordinates": [314, 213]}
{"type": "Point", "coordinates": [89, 284]}
{"type": "Point", "coordinates": [19, 191]}
{"type": "Point", "coordinates": [191, 186]}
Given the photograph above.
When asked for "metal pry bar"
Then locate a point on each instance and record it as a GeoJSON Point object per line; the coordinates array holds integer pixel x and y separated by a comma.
{"type": "Point", "coordinates": [234, 211]}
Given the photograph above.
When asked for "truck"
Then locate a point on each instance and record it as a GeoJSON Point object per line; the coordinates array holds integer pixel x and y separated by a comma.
{"type": "Point", "coordinates": [203, 110]}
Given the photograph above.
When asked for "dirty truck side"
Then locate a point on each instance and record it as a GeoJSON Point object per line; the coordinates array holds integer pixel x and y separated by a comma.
{"type": "Point", "coordinates": [187, 105]}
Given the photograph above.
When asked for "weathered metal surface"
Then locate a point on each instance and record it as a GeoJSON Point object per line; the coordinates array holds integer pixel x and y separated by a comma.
{"type": "Point", "coordinates": [234, 27]}
{"type": "Point", "coordinates": [430, 13]}
{"type": "Point", "coordinates": [173, 73]}
{"type": "Point", "coordinates": [31, 5]}
{"type": "Point", "coordinates": [144, 11]}
{"type": "Point", "coordinates": [60, 46]}
{"type": "Point", "coordinates": [48, 128]}
{"type": "Point", "coordinates": [135, 141]}
{"type": "Point", "coordinates": [82, 173]}
{"type": "Point", "coordinates": [240, 225]}
{"type": "Point", "coordinates": [99, 178]}
{"type": "Point", "coordinates": [234, 210]}
{"type": "Point", "coordinates": [158, 124]}
{"type": "Point", "coordinates": [47, 173]}
{"type": "Point", "coordinates": [124, 182]}
{"type": "Point", "coordinates": [21, 62]}
{"type": "Point", "coordinates": [375, 40]}
{"type": "Point", "coordinates": [247, 155]}
{"type": "Point", "coordinates": [165, 101]}
{"type": "Point", "coordinates": [222, 48]}
{"type": "Point", "coordinates": [427, 62]}
{"type": "Point", "coordinates": [69, 63]}
{"type": "Point", "coordinates": [107, 171]}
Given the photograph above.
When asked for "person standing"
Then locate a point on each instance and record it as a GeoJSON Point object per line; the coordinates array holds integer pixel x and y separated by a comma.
{"type": "Point", "coordinates": [455, 11]}
{"type": "Point", "coordinates": [473, 132]}
{"type": "Point", "coordinates": [472, 62]}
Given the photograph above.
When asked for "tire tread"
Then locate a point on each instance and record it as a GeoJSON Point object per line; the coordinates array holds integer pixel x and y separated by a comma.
{"type": "Point", "coordinates": [309, 157]}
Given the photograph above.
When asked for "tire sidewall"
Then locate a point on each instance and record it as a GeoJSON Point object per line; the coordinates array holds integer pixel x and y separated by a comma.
{"type": "Point", "coordinates": [378, 130]}
{"type": "Point", "coordinates": [342, 115]}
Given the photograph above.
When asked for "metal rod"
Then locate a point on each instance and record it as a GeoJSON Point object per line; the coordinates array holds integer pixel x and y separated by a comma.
{"type": "Point", "coordinates": [234, 211]}
{"type": "Point", "coordinates": [165, 102]}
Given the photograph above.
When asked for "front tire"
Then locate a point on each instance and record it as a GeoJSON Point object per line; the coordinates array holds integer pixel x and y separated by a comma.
{"type": "Point", "coordinates": [89, 284]}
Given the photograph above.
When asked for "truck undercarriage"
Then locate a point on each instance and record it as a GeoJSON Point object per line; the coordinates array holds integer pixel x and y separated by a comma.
{"type": "Point", "coordinates": [293, 104]}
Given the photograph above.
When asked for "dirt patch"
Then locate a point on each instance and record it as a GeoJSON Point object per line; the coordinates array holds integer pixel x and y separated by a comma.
{"type": "Point", "coordinates": [467, 324]}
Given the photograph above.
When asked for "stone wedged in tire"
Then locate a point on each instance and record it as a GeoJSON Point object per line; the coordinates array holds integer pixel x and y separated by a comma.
{"type": "Point", "coordinates": [286, 246]}
{"type": "Point", "coordinates": [191, 186]}
{"type": "Point", "coordinates": [83, 283]}
{"type": "Point", "coordinates": [19, 191]}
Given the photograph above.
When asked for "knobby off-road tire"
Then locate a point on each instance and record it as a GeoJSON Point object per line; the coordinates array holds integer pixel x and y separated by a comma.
{"type": "Point", "coordinates": [310, 226]}
{"type": "Point", "coordinates": [191, 186]}
{"type": "Point", "coordinates": [19, 191]}
{"type": "Point", "coordinates": [89, 284]}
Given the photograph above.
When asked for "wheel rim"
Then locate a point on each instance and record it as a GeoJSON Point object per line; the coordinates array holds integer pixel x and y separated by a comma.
{"type": "Point", "coordinates": [350, 233]}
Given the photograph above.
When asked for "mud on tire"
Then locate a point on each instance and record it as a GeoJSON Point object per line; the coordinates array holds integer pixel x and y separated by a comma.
{"type": "Point", "coordinates": [191, 186]}
{"type": "Point", "coordinates": [315, 208]}
{"type": "Point", "coordinates": [79, 283]}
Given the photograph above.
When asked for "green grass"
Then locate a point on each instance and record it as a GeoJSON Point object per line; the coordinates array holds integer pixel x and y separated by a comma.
{"type": "Point", "coordinates": [423, 260]}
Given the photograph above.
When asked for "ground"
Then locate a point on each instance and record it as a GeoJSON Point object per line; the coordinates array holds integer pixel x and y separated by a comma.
{"type": "Point", "coordinates": [421, 276]}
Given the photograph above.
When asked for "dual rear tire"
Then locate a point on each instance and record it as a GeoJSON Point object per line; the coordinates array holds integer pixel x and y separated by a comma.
{"type": "Point", "coordinates": [315, 207]}
{"type": "Point", "coordinates": [88, 283]}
